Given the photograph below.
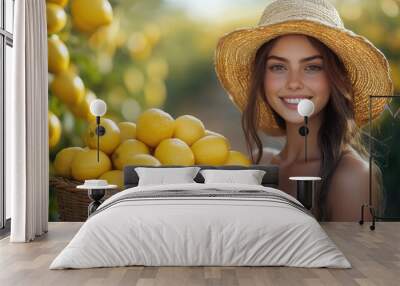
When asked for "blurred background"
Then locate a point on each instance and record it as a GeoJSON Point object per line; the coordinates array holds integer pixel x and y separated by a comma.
{"type": "Point", "coordinates": [139, 54]}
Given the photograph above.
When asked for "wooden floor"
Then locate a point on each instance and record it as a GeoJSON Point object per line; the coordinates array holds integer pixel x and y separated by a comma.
{"type": "Point", "coordinates": [374, 255]}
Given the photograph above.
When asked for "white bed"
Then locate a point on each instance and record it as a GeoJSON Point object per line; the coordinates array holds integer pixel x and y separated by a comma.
{"type": "Point", "coordinates": [224, 225]}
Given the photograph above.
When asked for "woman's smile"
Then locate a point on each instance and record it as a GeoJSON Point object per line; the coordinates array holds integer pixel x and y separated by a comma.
{"type": "Point", "coordinates": [292, 102]}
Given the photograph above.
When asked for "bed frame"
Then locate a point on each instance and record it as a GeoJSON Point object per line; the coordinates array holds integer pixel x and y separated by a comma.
{"type": "Point", "coordinates": [270, 179]}
{"type": "Point", "coordinates": [131, 179]}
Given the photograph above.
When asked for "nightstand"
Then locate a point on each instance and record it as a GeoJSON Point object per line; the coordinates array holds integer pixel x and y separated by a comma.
{"type": "Point", "coordinates": [95, 193]}
{"type": "Point", "coordinates": [306, 190]}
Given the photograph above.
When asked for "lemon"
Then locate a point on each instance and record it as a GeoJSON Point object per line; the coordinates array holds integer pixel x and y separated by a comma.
{"type": "Point", "coordinates": [62, 162]}
{"type": "Point", "coordinates": [139, 46]}
{"type": "Point", "coordinates": [237, 158]}
{"type": "Point", "coordinates": [58, 55]}
{"type": "Point", "coordinates": [143, 160]}
{"type": "Point", "coordinates": [81, 26]}
{"type": "Point", "coordinates": [106, 37]}
{"type": "Point", "coordinates": [189, 129]}
{"type": "Point", "coordinates": [62, 3]}
{"type": "Point", "coordinates": [157, 68]}
{"type": "Point", "coordinates": [128, 130]}
{"type": "Point", "coordinates": [133, 79]}
{"type": "Point", "coordinates": [152, 33]}
{"type": "Point", "coordinates": [126, 150]}
{"type": "Point", "coordinates": [82, 109]}
{"type": "Point", "coordinates": [174, 151]}
{"type": "Point", "coordinates": [153, 126]}
{"type": "Point", "coordinates": [85, 166]}
{"type": "Point", "coordinates": [211, 150]}
{"type": "Point", "coordinates": [56, 18]}
{"type": "Point", "coordinates": [54, 129]}
{"type": "Point", "coordinates": [111, 138]}
{"type": "Point", "coordinates": [155, 93]}
{"type": "Point", "coordinates": [68, 87]}
{"type": "Point", "coordinates": [89, 15]}
{"type": "Point", "coordinates": [114, 177]}
{"type": "Point", "coordinates": [209, 132]}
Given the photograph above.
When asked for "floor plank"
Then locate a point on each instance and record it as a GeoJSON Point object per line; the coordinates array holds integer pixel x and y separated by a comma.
{"type": "Point", "coordinates": [374, 255]}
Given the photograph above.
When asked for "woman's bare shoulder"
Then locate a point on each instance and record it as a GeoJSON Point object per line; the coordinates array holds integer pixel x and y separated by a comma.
{"type": "Point", "coordinates": [268, 155]}
{"type": "Point", "coordinates": [351, 172]}
{"type": "Point", "coordinates": [352, 161]}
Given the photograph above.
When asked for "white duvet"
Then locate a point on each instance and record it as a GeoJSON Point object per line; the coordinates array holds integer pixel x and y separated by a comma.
{"type": "Point", "coordinates": [183, 231]}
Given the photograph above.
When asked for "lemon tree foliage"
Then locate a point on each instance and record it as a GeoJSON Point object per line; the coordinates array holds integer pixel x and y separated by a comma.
{"type": "Point", "coordinates": [126, 62]}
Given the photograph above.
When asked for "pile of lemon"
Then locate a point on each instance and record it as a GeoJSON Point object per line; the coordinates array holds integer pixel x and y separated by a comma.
{"type": "Point", "coordinates": [155, 139]}
{"type": "Point", "coordinates": [88, 16]}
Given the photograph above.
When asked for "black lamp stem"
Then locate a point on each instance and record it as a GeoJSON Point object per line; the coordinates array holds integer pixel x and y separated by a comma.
{"type": "Point", "coordinates": [305, 138]}
{"type": "Point", "coordinates": [98, 136]}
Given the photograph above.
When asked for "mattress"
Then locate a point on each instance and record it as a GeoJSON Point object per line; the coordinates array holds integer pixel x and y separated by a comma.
{"type": "Point", "coordinates": [201, 225]}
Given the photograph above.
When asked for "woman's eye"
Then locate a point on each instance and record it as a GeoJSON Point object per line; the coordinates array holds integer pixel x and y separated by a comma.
{"type": "Point", "coordinates": [314, 68]}
{"type": "Point", "coordinates": [280, 68]}
{"type": "Point", "coordinates": [276, 67]}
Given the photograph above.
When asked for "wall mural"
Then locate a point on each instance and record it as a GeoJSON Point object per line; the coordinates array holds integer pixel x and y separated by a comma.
{"type": "Point", "coordinates": [152, 63]}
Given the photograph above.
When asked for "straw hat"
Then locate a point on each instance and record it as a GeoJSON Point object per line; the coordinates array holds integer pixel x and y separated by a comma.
{"type": "Point", "coordinates": [367, 67]}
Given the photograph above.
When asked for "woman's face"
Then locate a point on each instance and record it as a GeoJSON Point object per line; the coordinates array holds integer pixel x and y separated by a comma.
{"type": "Point", "coordinates": [294, 71]}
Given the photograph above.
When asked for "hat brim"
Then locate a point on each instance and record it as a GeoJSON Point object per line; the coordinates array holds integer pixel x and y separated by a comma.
{"type": "Point", "coordinates": [367, 67]}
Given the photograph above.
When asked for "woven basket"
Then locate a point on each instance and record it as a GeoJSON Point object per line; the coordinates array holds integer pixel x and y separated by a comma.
{"type": "Point", "coordinates": [72, 202]}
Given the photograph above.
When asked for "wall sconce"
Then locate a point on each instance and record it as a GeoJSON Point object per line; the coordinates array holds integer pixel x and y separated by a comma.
{"type": "Point", "coordinates": [305, 108]}
{"type": "Point", "coordinates": [98, 108]}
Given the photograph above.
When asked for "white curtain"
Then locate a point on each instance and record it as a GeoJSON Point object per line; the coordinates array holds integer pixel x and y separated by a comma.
{"type": "Point", "coordinates": [27, 153]}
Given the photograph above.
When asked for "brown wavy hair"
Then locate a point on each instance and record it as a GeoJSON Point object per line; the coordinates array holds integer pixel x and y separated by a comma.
{"type": "Point", "coordinates": [338, 129]}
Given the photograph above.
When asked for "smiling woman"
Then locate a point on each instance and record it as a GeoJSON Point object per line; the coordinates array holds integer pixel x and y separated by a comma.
{"type": "Point", "coordinates": [293, 67]}
{"type": "Point", "coordinates": [301, 49]}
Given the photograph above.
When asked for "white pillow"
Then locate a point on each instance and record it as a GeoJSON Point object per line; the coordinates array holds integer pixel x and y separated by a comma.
{"type": "Point", "coordinates": [162, 176]}
{"type": "Point", "coordinates": [248, 177]}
